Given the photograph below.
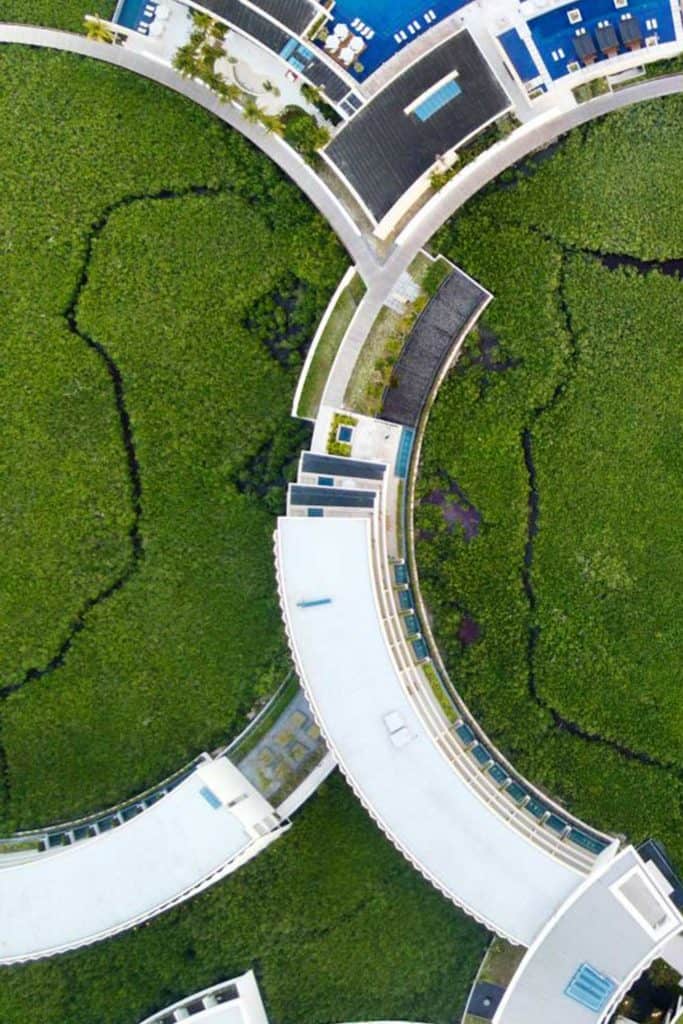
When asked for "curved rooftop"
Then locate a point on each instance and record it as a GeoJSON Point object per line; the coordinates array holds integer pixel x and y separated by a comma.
{"type": "Point", "coordinates": [237, 1001]}
{"type": "Point", "coordinates": [586, 958]}
{"type": "Point", "coordinates": [457, 840]}
{"type": "Point", "coordinates": [202, 830]}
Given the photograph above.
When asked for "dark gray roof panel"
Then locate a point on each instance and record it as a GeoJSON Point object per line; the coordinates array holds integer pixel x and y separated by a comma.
{"type": "Point", "coordinates": [326, 78]}
{"type": "Point", "coordinates": [330, 497]}
{"type": "Point", "coordinates": [338, 465]}
{"type": "Point", "coordinates": [247, 20]}
{"type": "Point", "coordinates": [429, 345]}
{"type": "Point", "coordinates": [295, 15]}
{"type": "Point", "coordinates": [383, 150]}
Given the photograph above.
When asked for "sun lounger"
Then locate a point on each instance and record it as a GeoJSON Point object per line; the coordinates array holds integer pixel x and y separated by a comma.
{"type": "Point", "coordinates": [370, 33]}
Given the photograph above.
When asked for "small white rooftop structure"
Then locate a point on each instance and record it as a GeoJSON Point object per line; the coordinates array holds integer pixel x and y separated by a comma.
{"type": "Point", "coordinates": [426, 808]}
{"type": "Point", "coordinates": [201, 831]}
{"type": "Point", "coordinates": [237, 1001]}
{"type": "Point", "coordinates": [590, 953]}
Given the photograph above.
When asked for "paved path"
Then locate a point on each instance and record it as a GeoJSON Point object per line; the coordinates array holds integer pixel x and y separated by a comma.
{"type": "Point", "coordinates": [359, 248]}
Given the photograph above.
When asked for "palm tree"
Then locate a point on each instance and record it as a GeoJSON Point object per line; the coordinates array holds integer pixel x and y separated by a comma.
{"type": "Point", "coordinates": [251, 111]}
{"type": "Point", "coordinates": [201, 21]}
{"type": "Point", "coordinates": [219, 31]}
{"type": "Point", "coordinates": [96, 29]}
{"type": "Point", "coordinates": [185, 61]}
{"type": "Point", "coordinates": [272, 123]}
{"type": "Point", "coordinates": [228, 92]}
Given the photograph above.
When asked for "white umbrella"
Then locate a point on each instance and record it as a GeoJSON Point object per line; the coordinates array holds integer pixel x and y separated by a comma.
{"type": "Point", "coordinates": [342, 30]}
{"type": "Point", "coordinates": [357, 44]}
{"type": "Point", "coordinates": [332, 43]}
{"type": "Point", "coordinates": [347, 55]}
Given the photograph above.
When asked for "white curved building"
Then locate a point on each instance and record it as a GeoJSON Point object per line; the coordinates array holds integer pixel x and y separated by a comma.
{"type": "Point", "coordinates": [204, 829]}
{"type": "Point", "coordinates": [237, 1001]}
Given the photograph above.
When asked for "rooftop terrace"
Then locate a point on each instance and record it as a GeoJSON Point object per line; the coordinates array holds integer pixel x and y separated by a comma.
{"type": "Point", "coordinates": [77, 894]}
{"type": "Point", "coordinates": [393, 25]}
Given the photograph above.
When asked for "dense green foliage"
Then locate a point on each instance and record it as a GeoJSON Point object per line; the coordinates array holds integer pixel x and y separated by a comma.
{"type": "Point", "coordinates": [203, 298]}
{"type": "Point", "coordinates": [583, 361]}
{"type": "Point", "coordinates": [337, 925]}
{"type": "Point", "coordinates": [67, 14]}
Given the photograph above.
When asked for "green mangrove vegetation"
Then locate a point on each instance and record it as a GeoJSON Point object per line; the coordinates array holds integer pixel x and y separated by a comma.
{"type": "Point", "coordinates": [64, 14]}
{"type": "Point", "coordinates": [548, 518]}
{"type": "Point", "coordinates": [157, 298]}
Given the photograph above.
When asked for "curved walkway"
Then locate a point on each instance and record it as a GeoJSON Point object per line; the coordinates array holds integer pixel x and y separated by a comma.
{"type": "Point", "coordinates": [359, 248]}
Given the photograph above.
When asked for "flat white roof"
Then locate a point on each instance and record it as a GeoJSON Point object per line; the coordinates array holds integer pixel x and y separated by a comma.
{"type": "Point", "coordinates": [82, 892]}
{"type": "Point", "coordinates": [419, 799]}
{"type": "Point", "coordinates": [600, 928]}
{"type": "Point", "coordinates": [246, 1007]}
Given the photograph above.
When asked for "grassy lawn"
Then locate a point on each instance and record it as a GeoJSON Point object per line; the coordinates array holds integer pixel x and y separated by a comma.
{"type": "Point", "coordinates": [66, 14]}
{"type": "Point", "coordinates": [571, 394]}
{"type": "Point", "coordinates": [327, 347]}
{"type": "Point", "coordinates": [206, 275]}
{"type": "Point", "coordinates": [337, 925]}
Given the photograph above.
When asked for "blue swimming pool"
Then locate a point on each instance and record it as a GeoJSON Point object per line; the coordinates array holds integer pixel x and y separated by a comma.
{"type": "Point", "coordinates": [129, 13]}
{"type": "Point", "coordinates": [389, 19]}
{"type": "Point", "coordinates": [553, 33]}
